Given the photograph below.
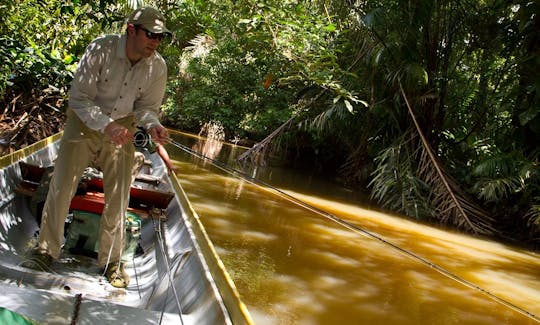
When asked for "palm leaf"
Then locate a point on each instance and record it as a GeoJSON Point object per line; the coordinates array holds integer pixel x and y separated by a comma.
{"type": "Point", "coordinates": [499, 177]}
{"type": "Point", "coordinates": [451, 204]}
{"type": "Point", "coordinates": [533, 221]}
{"type": "Point", "coordinates": [395, 183]}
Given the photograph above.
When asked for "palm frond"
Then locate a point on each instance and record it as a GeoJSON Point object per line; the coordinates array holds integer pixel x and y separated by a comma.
{"type": "Point", "coordinates": [493, 190]}
{"type": "Point", "coordinates": [448, 200]}
{"type": "Point", "coordinates": [200, 46]}
{"type": "Point", "coordinates": [532, 218]}
{"type": "Point", "coordinates": [356, 168]}
{"type": "Point", "coordinates": [500, 176]}
{"type": "Point", "coordinates": [395, 184]}
{"type": "Point", "coordinates": [135, 4]}
{"type": "Point", "coordinates": [495, 166]}
{"type": "Point", "coordinates": [451, 204]}
{"type": "Point", "coordinates": [323, 120]}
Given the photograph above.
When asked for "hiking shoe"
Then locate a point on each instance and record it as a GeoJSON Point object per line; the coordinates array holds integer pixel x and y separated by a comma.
{"type": "Point", "coordinates": [116, 274]}
{"type": "Point", "coordinates": [38, 260]}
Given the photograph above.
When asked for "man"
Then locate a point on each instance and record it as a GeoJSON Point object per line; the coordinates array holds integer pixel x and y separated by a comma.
{"type": "Point", "coordinates": [119, 83]}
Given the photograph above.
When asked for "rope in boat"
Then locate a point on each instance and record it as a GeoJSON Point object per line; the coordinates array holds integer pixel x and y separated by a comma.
{"type": "Point", "coordinates": [157, 229]}
{"type": "Point", "coordinates": [136, 276]}
{"type": "Point", "coordinates": [76, 309]}
{"type": "Point", "coordinates": [356, 229]}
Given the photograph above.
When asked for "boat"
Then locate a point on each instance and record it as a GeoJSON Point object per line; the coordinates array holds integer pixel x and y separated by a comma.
{"type": "Point", "coordinates": [176, 274]}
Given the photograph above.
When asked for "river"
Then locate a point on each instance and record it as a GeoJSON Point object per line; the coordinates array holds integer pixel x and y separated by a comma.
{"type": "Point", "coordinates": [306, 252]}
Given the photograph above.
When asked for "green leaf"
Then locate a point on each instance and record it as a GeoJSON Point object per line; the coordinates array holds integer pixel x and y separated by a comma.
{"type": "Point", "coordinates": [349, 106]}
{"type": "Point", "coordinates": [528, 115]}
{"type": "Point", "coordinates": [68, 59]}
{"type": "Point", "coordinates": [330, 28]}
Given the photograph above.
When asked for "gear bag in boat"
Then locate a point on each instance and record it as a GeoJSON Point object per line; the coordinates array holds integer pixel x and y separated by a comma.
{"type": "Point", "coordinates": [83, 232]}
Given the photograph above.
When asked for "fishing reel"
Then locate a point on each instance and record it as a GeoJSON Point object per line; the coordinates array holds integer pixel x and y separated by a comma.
{"type": "Point", "coordinates": [143, 140]}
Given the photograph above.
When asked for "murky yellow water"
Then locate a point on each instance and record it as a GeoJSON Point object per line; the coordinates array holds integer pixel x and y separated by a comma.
{"type": "Point", "coordinates": [293, 265]}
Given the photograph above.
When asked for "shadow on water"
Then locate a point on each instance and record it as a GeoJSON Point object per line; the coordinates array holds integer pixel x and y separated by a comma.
{"type": "Point", "coordinates": [294, 266]}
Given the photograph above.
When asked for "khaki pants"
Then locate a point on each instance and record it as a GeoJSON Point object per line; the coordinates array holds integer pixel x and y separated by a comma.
{"type": "Point", "coordinates": [81, 146]}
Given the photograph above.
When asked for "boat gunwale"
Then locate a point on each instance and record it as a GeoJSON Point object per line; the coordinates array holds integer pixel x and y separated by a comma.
{"type": "Point", "coordinates": [20, 154]}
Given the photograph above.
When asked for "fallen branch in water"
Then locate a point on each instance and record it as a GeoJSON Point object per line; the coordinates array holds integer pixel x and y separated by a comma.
{"type": "Point", "coordinates": [257, 154]}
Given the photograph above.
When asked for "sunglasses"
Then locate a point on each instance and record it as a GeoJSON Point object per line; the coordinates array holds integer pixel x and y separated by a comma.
{"type": "Point", "coordinates": [151, 35]}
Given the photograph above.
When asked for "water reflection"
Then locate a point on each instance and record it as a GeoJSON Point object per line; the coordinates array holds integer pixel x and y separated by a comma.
{"type": "Point", "coordinates": [293, 266]}
{"type": "Point", "coordinates": [209, 148]}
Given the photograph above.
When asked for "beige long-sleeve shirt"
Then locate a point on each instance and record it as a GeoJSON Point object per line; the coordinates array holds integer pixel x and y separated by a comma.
{"type": "Point", "coordinates": [106, 87]}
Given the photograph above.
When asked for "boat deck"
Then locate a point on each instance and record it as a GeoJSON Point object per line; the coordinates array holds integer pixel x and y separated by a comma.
{"type": "Point", "coordinates": [74, 283]}
{"type": "Point", "coordinates": [53, 308]}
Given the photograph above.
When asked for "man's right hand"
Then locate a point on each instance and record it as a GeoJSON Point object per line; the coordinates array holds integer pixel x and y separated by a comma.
{"type": "Point", "coordinates": [159, 134]}
{"type": "Point", "coordinates": [118, 134]}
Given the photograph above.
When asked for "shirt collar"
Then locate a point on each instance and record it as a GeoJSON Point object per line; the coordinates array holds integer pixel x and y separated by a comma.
{"type": "Point", "coordinates": [121, 47]}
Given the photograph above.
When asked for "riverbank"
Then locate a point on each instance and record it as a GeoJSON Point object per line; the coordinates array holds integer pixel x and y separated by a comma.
{"type": "Point", "coordinates": [28, 118]}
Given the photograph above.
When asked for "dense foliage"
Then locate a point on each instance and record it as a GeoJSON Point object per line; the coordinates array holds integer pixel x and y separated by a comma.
{"type": "Point", "coordinates": [431, 105]}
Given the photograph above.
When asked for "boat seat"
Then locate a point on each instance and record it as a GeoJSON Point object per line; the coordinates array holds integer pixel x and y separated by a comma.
{"type": "Point", "coordinates": [141, 200]}
{"type": "Point", "coordinates": [34, 173]}
{"type": "Point", "coordinates": [26, 187]}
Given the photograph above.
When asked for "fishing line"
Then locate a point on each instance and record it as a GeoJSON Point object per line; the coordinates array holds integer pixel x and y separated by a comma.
{"type": "Point", "coordinates": [355, 229]}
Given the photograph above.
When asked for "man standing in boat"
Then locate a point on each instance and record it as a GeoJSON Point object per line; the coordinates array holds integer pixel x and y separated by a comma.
{"type": "Point", "coordinates": [119, 83]}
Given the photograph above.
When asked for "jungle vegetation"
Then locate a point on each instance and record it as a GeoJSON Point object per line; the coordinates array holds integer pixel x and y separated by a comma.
{"type": "Point", "coordinates": [432, 106]}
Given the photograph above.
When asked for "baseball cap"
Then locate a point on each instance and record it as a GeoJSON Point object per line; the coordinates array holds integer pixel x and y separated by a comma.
{"type": "Point", "coordinates": [150, 19]}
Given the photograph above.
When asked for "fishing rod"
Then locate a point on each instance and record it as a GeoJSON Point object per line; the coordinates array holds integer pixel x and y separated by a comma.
{"type": "Point", "coordinates": [355, 228]}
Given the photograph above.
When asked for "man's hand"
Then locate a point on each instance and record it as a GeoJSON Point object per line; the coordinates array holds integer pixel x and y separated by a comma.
{"type": "Point", "coordinates": [118, 134]}
{"type": "Point", "coordinates": [159, 134]}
